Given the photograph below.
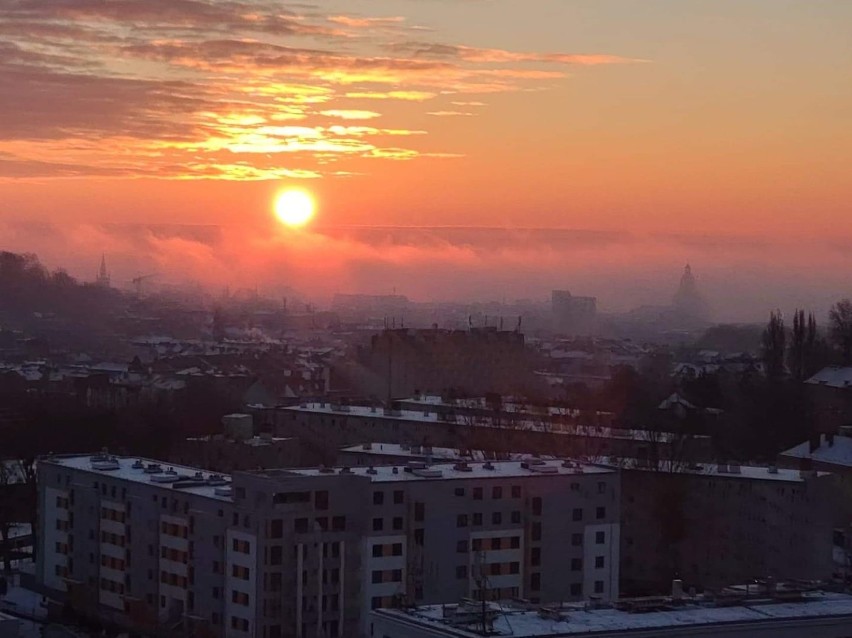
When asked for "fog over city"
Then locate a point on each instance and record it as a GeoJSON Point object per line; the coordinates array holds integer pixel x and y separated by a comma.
{"type": "Point", "coordinates": [743, 277]}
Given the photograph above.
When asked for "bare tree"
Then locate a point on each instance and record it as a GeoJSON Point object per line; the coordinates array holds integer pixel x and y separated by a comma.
{"type": "Point", "coordinates": [840, 328]}
{"type": "Point", "coordinates": [774, 339]}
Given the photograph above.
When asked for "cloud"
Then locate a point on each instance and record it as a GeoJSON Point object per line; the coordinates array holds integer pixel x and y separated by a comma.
{"type": "Point", "coordinates": [213, 89]}
{"type": "Point", "coordinates": [351, 114]}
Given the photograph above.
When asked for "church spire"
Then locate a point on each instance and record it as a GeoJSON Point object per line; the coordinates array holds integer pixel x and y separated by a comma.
{"type": "Point", "coordinates": [103, 274]}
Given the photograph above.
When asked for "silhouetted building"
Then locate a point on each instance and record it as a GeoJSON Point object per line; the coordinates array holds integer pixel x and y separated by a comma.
{"type": "Point", "coordinates": [401, 362]}
{"type": "Point", "coordinates": [573, 315]}
{"type": "Point", "coordinates": [687, 301]}
{"type": "Point", "coordinates": [103, 274]}
{"type": "Point", "coordinates": [713, 525]}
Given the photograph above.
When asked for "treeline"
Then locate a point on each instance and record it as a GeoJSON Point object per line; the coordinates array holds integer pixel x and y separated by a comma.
{"type": "Point", "coordinates": [27, 287]}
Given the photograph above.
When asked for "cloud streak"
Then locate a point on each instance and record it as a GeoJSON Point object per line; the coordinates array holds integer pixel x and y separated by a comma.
{"type": "Point", "coordinates": [199, 89]}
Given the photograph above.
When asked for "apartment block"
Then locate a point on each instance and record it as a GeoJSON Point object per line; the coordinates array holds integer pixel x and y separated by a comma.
{"type": "Point", "coordinates": [718, 524]}
{"type": "Point", "coordinates": [310, 552]}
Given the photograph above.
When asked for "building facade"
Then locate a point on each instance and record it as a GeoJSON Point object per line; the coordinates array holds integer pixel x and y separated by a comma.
{"type": "Point", "coordinates": [278, 553]}
{"type": "Point", "coordinates": [715, 525]}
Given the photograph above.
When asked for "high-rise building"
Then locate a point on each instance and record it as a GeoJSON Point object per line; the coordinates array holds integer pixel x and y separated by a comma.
{"type": "Point", "coordinates": [302, 553]}
{"type": "Point", "coordinates": [575, 316]}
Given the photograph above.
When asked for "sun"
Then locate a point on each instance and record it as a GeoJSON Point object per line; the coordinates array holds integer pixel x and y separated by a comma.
{"type": "Point", "coordinates": [294, 208]}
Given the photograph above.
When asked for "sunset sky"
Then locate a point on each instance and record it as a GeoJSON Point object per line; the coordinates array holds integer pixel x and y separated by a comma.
{"type": "Point", "coordinates": [729, 117]}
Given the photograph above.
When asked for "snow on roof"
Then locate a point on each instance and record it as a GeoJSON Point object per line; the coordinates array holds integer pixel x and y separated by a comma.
{"type": "Point", "coordinates": [607, 622]}
{"type": "Point", "coordinates": [126, 471]}
{"type": "Point", "coordinates": [838, 453]}
{"type": "Point", "coordinates": [833, 376]}
{"type": "Point", "coordinates": [444, 471]}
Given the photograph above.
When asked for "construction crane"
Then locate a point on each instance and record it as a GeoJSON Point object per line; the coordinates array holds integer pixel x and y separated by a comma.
{"type": "Point", "coordinates": [137, 282]}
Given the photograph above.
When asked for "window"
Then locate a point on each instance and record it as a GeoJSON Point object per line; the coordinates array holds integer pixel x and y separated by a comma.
{"type": "Point", "coordinates": [576, 564]}
{"type": "Point", "coordinates": [276, 555]}
{"type": "Point", "coordinates": [535, 581]}
{"type": "Point", "coordinates": [514, 542]}
{"type": "Point", "coordinates": [516, 517]}
{"type": "Point", "coordinates": [378, 523]}
{"type": "Point", "coordinates": [477, 518]}
{"type": "Point", "coordinates": [418, 537]}
{"type": "Point", "coordinates": [461, 547]}
{"type": "Point", "coordinates": [377, 576]}
{"type": "Point", "coordinates": [378, 551]}
{"type": "Point", "coordinates": [376, 602]}
{"type": "Point", "coordinates": [396, 575]}
{"type": "Point", "coordinates": [396, 549]}
{"type": "Point", "coordinates": [276, 528]}
{"type": "Point", "coordinates": [398, 497]}
{"type": "Point", "coordinates": [321, 500]}
{"type": "Point", "coordinates": [397, 522]}
{"type": "Point", "coordinates": [577, 514]}
{"type": "Point", "coordinates": [600, 513]}
{"type": "Point", "coordinates": [576, 540]}
{"type": "Point", "coordinates": [600, 538]}
{"type": "Point", "coordinates": [378, 498]}
{"type": "Point", "coordinates": [496, 543]}
{"type": "Point", "coordinates": [497, 492]}
{"type": "Point", "coordinates": [599, 586]}
{"type": "Point", "coordinates": [477, 493]}
{"type": "Point", "coordinates": [516, 491]}
{"type": "Point", "coordinates": [461, 571]}
{"type": "Point", "coordinates": [514, 568]}
{"type": "Point", "coordinates": [459, 491]}
{"type": "Point", "coordinates": [496, 518]}
{"type": "Point", "coordinates": [601, 487]}
{"type": "Point", "coordinates": [536, 506]}
{"type": "Point", "coordinates": [599, 562]}
{"type": "Point", "coordinates": [461, 520]}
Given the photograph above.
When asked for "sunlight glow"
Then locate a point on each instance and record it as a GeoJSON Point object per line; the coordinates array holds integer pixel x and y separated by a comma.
{"type": "Point", "coordinates": [294, 208]}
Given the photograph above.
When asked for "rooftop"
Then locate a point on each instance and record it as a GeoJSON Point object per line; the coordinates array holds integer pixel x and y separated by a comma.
{"type": "Point", "coordinates": [166, 476]}
{"type": "Point", "coordinates": [414, 471]}
{"type": "Point", "coordinates": [428, 416]}
{"type": "Point", "coordinates": [839, 452]}
{"type": "Point", "coordinates": [437, 453]}
{"type": "Point", "coordinates": [833, 376]}
{"type": "Point", "coordinates": [722, 470]}
{"type": "Point", "coordinates": [575, 620]}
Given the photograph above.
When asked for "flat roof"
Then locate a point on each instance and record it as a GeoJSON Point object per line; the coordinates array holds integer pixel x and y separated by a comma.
{"type": "Point", "coordinates": [444, 471]}
{"type": "Point", "coordinates": [126, 472]}
{"type": "Point", "coordinates": [722, 470]}
{"type": "Point", "coordinates": [418, 416]}
{"type": "Point", "coordinates": [579, 621]}
{"type": "Point", "coordinates": [437, 453]}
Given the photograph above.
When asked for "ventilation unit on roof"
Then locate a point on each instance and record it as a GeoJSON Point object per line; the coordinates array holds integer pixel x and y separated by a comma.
{"type": "Point", "coordinates": [488, 465]}
{"type": "Point", "coordinates": [772, 469]}
{"type": "Point", "coordinates": [105, 463]}
{"type": "Point", "coordinates": [222, 491]}
{"type": "Point", "coordinates": [544, 469]}
{"type": "Point", "coordinates": [153, 468]}
{"type": "Point", "coordinates": [216, 479]}
{"type": "Point", "coordinates": [367, 446]}
{"type": "Point", "coordinates": [346, 470]}
{"type": "Point", "coordinates": [371, 470]}
{"type": "Point", "coordinates": [462, 466]}
{"type": "Point", "coordinates": [164, 478]}
{"type": "Point", "coordinates": [138, 465]}
{"type": "Point", "coordinates": [326, 470]}
{"type": "Point", "coordinates": [415, 465]}
{"type": "Point", "coordinates": [723, 468]}
{"type": "Point", "coordinates": [428, 473]}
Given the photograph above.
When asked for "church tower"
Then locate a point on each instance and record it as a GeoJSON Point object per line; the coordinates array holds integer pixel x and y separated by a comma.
{"type": "Point", "coordinates": [103, 274]}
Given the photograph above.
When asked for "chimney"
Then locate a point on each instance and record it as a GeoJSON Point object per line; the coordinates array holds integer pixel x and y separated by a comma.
{"type": "Point", "coordinates": [814, 443]}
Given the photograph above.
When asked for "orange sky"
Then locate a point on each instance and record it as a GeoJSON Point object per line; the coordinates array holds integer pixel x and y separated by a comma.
{"type": "Point", "coordinates": [692, 116]}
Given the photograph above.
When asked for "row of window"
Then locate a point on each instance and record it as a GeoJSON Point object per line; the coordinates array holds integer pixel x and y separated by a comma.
{"type": "Point", "coordinates": [173, 529]}
{"type": "Point", "coordinates": [387, 576]}
{"type": "Point", "coordinates": [398, 497]}
{"type": "Point", "coordinates": [108, 538]}
{"type": "Point", "coordinates": [174, 555]}
{"type": "Point", "coordinates": [496, 519]}
{"type": "Point", "coordinates": [387, 549]}
{"type": "Point", "coordinates": [109, 514]}
{"type": "Point", "coordinates": [113, 563]}
{"type": "Point", "coordinates": [484, 544]}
